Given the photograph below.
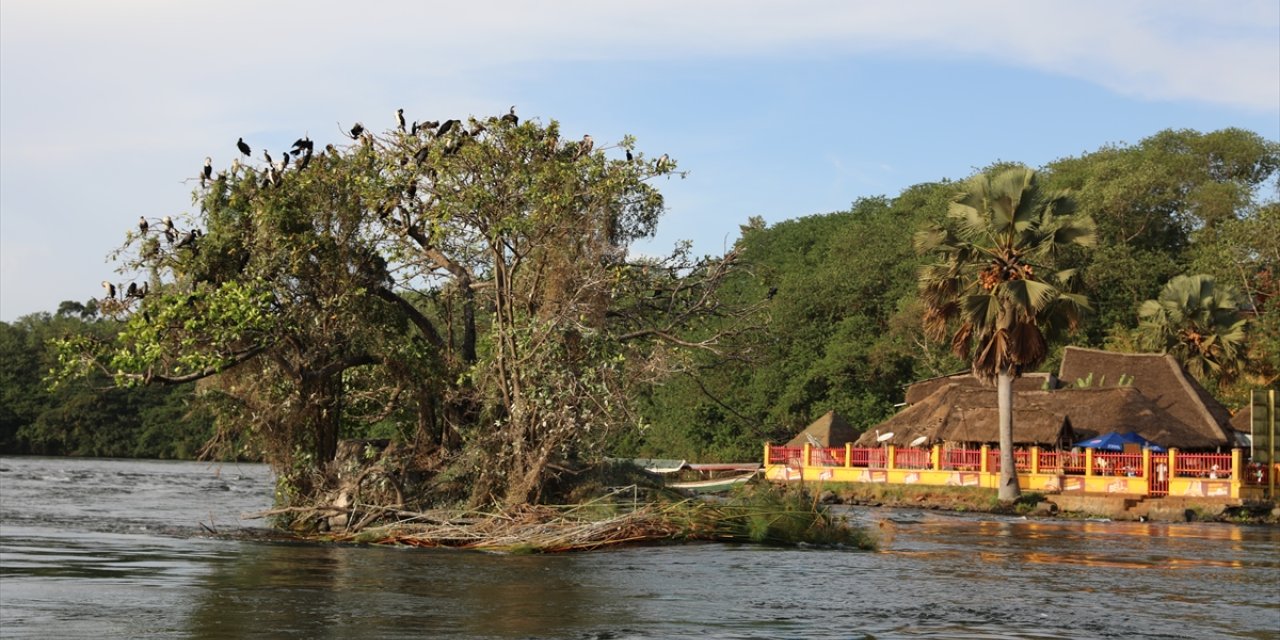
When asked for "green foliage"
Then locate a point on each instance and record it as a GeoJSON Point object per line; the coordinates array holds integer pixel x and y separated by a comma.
{"type": "Point", "coordinates": [840, 336]}
{"type": "Point", "coordinates": [86, 417]}
{"type": "Point", "coordinates": [1200, 323]}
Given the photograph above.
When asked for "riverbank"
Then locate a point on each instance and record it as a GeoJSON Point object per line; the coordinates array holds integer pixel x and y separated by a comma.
{"type": "Point", "coordinates": [981, 500]}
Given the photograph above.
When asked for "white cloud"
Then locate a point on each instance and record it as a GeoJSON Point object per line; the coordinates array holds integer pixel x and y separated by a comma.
{"type": "Point", "coordinates": [1224, 54]}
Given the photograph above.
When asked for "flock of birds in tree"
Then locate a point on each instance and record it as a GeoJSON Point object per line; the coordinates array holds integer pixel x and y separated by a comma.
{"type": "Point", "coordinates": [300, 155]}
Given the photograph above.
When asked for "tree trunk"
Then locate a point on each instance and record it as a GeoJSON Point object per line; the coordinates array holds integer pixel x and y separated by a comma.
{"type": "Point", "coordinates": [322, 402]}
{"type": "Point", "coordinates": [1009, 490]}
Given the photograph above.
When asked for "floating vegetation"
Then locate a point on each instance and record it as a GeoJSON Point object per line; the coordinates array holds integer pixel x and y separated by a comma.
{"type": "Point", "coordinates": [762, 514]}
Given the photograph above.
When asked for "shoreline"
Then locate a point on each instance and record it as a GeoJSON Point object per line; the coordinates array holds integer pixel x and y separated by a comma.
{"type": "Point", "coordinates": [1035, 504]}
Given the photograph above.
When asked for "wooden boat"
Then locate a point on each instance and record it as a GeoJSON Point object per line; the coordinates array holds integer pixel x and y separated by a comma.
{"type": "Point", "coordinates": [713, 485]}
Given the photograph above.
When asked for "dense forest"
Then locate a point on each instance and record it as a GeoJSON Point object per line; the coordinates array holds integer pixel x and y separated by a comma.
{"type": "Point", "coordinates": [834, 314]}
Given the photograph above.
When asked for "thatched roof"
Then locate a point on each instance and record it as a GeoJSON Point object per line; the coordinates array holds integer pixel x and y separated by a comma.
{"type": "Point", "coordinates": [1095, 411]}
{"type": "Point", "coordinates": [958, 412]}
{"type": "Point", "coordinates": [1242, 421]}
{"type": "Point", "coordinates": [920, 390]}
{"type": "Point", "coordinates": [830, 430]}
{"type": "Point", "coordinates": [1161, 379]}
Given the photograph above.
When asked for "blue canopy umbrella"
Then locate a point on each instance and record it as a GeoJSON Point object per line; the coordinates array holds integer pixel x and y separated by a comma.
{"type": "Point", "coordinates": [1116, 441]}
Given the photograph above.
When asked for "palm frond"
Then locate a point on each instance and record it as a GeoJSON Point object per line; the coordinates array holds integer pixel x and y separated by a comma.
{"type": "Point", "coordinates": [1029, 296]}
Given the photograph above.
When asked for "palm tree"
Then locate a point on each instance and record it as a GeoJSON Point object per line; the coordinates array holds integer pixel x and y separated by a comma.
{"type": "Point", "coordinates": [1200, 323]}
{"type": "Point", "coordinates": [996, 280]}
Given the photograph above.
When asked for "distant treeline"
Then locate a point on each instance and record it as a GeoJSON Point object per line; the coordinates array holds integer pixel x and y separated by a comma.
{"type": "Point", "coordinates": [840, 297]}
{"type": "Point", "coordinates": [89, 417]}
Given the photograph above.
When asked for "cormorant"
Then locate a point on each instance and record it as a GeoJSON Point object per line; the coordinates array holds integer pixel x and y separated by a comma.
{"type": "Point", "coordinates": [663, 162]}
{"type": "Point", "coordinates": [170, 233]}
{"type": "Point", "coordinates": [356, 131]}
{"type": "Point", "coordinates": [628, 155]}
{"type": "Point", "coordinates": [584, 148]}
{"type": "Point", "coordinates": [187, 239]}
{"type": "Point", "coordinates": [110, 289]}
{"type": "Point", "coordinates": [267, 156]}
{"type": "Point", "coordinates": [421, 155]}
{"type": "Point", "coordinates": [132, 291]}
{"type": "Point", "coordinates": [301, 144]}
{"type": "Point", "coordinates": [400, 119]}
{"type": "Point", "coordinates": [306, 160]}
{"type": "Point", "coordinates": [208, 168]}
{"type": "Point", "coordinates": [511, 117]}
{"type": "Point", "coordinates": [284, 162]}
{"type": "Point", "coordinates": [447, 127]}
{"type": "Point", "coordinates": [142, 224]}
{"type": "Point", "coordinates": [244, 148]}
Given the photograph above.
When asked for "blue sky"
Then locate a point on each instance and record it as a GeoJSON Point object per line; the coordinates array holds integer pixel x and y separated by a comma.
{"type": "Point", "coordinates": [779, 109]}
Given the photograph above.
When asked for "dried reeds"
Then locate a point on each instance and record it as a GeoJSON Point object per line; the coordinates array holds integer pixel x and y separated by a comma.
{"type": "Point", "coordinates": [764, 515]}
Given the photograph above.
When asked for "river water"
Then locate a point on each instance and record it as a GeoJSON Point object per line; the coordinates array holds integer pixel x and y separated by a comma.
{"type": "Point", "coordinates": [122, 549]}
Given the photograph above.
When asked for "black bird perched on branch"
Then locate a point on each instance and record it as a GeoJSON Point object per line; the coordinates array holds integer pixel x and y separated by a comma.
{"type": "Point", "coordinates": [303, 144]}
{"type": "Point", "coordinates": [628, 155]}
{"type": "Point", "coordinates": [267, 156]}
{"type": "Point", "coordinates": [187, 238]}
{"type": "Point", "coordinates": [142, 224]}
{"type": "Point", "coordinates": [207, 172]}
{"type": "Point", "coordinates": [170, 233]}
{"type": "Point", "coordinates": [447, 126]}
{"type": "Point", "coordinates": [400, 119]}
{"type": "Point", "coordinates": [511, 117]}
{"type": "Point", "coordinates": [421, 156]}
{"type": "Point", "coordinates": [306, 160]}
{"type": "Point", "coordinates": [284, 162]}
{"type": "Point", "coordinates": [110, 289]}
{"type": "Point", "coordinates": [356, 131]}
{"type": "Point", "coordinates": [244, 148]}
{"type": "Point", "coordinates": [132, 291]}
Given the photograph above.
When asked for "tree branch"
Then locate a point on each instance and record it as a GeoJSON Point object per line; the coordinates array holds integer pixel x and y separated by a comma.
{"type": "Point", "coordinates": [237, 359]}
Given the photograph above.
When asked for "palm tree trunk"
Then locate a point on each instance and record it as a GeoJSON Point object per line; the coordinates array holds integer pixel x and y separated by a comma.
{"type": "Point", "coordinates": [1009, 490]}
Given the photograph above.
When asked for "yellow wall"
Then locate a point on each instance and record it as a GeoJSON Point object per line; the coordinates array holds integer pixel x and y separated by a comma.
{"type": "Point", "coordinates": [1231, 488]}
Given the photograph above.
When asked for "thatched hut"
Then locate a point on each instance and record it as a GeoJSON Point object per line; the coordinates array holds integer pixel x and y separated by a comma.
{"type": "Point", "coordinates": [830, 430]}
{"type": "Point", "coordinates": [1149, 394]}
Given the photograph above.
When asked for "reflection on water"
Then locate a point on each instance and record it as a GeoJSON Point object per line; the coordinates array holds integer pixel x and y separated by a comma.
{"type": "Point", "coordinates": [113, 549]}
